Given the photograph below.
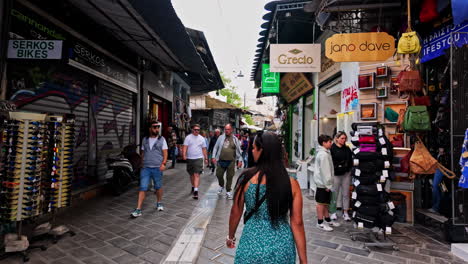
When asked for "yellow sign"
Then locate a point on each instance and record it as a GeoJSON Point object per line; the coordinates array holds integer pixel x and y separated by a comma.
{"type": "Point", "coordinates": [374, 46]}
{"type": "Point", "coordinates": [294, 85]}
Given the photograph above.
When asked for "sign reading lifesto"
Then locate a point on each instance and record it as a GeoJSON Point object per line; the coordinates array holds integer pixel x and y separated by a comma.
{"type": "Point", "coordinates": [295, 58]}
{"type": "Point", "coordinates": [34, 49]}
{"type": "Point", "coordinates": [373, 46]}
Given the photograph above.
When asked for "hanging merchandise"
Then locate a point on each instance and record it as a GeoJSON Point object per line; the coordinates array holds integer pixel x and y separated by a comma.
{"type": "Point", "coordinates": [463, 183]}
{"type": "Point", "coordinates": [422, 162]}
{"type": "Point", "coordinates": [428, 11]}
{"type": "Point", "coordinates": [372, 164]}
{"type": "Point", "coordinates": [409, 81]}
{"type": "Point", "coordinates": [409, 42]}
{"type": "Point", "coordinates": [391, 115]}
{"type": "Point", "coordinates": [417, 119]}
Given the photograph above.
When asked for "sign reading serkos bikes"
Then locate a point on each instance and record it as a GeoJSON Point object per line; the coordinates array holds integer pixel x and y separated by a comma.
{"type": "Point", "coordinates": [373, 46]}
{"type": "Point", "coordinates": [295, 58]}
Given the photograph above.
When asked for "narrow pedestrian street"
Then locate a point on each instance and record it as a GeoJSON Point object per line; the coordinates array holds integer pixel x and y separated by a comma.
{"type": "Point", "coordinates": [105, 233]}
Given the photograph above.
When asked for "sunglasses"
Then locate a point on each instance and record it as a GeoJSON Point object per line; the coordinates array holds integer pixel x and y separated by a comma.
{"type": "Point", "coordinates": [196, 130]}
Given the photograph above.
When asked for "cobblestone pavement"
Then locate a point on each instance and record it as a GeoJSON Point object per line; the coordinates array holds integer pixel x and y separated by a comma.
{"type": "Point", "coordinates": [417, 244]}
{"type": "Point", "coordinates": [105, 233]}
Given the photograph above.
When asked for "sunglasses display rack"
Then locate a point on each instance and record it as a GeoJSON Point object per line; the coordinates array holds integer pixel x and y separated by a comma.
{"type": "Point", "coordinates": [21, 179]}
{"type": "Point", "coordinates": [60, 133]}
{"type": "Point", "coordinates": [373, 211]}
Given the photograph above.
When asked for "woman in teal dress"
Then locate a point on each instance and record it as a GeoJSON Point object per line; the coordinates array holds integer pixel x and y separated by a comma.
{"type": "Point", "coordinates": [271, 198]}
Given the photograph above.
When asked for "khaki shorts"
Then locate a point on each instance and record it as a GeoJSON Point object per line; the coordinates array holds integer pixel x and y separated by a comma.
{"type": "Point", "coordinates": [194, 166]}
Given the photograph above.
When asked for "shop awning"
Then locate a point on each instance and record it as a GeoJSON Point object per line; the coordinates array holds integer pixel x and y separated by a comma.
{"type": "Point", "coordinates": [150, 28]}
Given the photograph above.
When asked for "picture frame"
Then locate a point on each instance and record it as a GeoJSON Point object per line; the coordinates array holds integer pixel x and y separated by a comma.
{"type": "Point", "coordinates": [368, 111]}
{"type": "Point", "coordinates": [381, 71]}
{"type": "Point", "coordinates": [381, 92]}
{"type": "Point", "coordinates": [366, 81]}
{"type": "Point", "coordinates": [394, 84]}
{"type": "Point", "coordinates": [396, 106]}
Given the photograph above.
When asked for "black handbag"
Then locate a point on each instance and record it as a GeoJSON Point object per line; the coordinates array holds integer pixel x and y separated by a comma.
{"type": "Point", "coordinates": [370, 190]}
{"type": "Point", "coordinates": [368, 221]}
{"type": "Point", "coordinates": [367, 179]}
{"type": "Point", "coordinates": [371, 210]}
{"type": "Point", "coordinates": [368, 200]}
{"type": "Point", "coordinates": [386, 220]}
{"type": "Point", "coordinates": [368, 156]}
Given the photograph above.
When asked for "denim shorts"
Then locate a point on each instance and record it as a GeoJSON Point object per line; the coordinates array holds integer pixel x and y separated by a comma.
{"type": "Point", "coordinates": [147, 174]}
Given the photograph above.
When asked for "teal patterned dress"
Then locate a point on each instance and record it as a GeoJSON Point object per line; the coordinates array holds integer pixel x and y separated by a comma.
{"type": "Point", "coordinates": [260, 241]}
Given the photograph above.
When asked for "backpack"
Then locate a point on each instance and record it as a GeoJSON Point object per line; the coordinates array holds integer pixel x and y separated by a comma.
{"type": "Point", "coordinates": [417, 119]}
{"type": "Point", "coordinates": [422, 162]}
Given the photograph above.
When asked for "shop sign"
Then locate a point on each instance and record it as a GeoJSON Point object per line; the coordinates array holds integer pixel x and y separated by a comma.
{"type": "Point", "coordinates": [441, 39]}
{"type": "Point", "coordinates": [92, 61]}
{"type": "Point", "coordinates": [372, 46]}
{"type": "Point", "coordinates": [295, 57]}
{"type": "Point", "coordinates": [294, 85]}
{"type": "Point", "coordinates": [34, 49]}
{"type": "Point", "coordinates": [270, 80]}
{"type": "Point", "coordinates": [349, 84]}
{"type": "Point", "coordinates": [329, 68]}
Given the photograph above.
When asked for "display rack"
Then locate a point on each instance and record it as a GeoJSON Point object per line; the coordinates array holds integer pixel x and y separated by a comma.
{"type": "Point", "coordinates": [21, 189]}
{"type": "Point", "coordinates": [58, 182]}
{"type": "Point", "coordinates": [373, 211]}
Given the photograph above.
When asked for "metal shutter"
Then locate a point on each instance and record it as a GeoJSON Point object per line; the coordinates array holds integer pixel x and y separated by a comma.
{"type": "Point", "coordinates": [115, 122]}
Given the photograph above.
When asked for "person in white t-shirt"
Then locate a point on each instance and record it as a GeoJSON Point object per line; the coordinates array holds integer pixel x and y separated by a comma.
{"type": "Point", "coordinates": [194, 152]}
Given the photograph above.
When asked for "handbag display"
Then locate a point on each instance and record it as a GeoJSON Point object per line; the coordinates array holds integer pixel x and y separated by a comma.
{"type": "Point", "coordinates": [362, 189]}
{"type": "Point", "coordinates": [401, 121]}
{"type": "Point", "coordinates": [428, 11]}
{"type": "Point", "coordinates": [370, 210]}
{"type": "Point", "coordinates": [410, 81]}
{"type": "Point", "coordinates": [368, 156]}
{"type": "Point", "coordinates": [391, 115]}
{"type": "Point", "coordinates": [368, 179]}
{"type": "Point", "coordinates": [368, 221]}
{"type": "Point", "coordinates": [422, 162]}
{"type": "Point", "coordinates": [366, 139]}
{"type": "Point", "coordinates": [398, 141]}
{"type": "Point", "coordinates": [417, 119]}
{"type": "Point", "coordinates": [368, 147]}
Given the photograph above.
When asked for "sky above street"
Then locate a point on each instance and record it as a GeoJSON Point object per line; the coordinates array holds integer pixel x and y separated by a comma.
{"type": "Point", "coordinates": [231, 28]}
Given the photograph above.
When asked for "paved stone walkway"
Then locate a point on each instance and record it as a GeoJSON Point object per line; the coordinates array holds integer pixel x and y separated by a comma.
{"type": "Point", "coordinates": [107, 234]}
{"type": "Point", "coordinates": [417, 244]}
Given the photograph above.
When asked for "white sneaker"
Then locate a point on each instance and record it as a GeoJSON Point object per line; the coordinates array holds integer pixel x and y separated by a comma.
{"type": "Point", "coordinates": [333, 223]}
{"type": "Point", "coordinates": [333, 216]}
{"type": "Point", "coordinates": [159, 207]}
{"type": "Point", "coordinates": [229, 196]}
{"type": "Point", "coordinates": [325, 227]}
{"type": "Point", "coordinates": [220, 190]}
{"type": "Point", "coordinates": [346, 217]}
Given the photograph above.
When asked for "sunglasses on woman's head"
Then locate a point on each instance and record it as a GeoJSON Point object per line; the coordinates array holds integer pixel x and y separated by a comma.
{"type": "Point", "coordinates": [156, 126]}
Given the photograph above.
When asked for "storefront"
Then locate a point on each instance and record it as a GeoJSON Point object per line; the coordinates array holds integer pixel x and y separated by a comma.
{"type": "Point", "coordinates": [157, 97]}
{"type": "Point", "coordinates": [52, 70]}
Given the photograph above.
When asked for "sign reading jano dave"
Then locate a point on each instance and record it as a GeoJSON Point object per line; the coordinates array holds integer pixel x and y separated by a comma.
{"type": "Point", "coordinates": [373, 46]}
{"type": "Point", "coordinates": [295, 58]}
{"type": "Point", "coordinates": [34, 49]}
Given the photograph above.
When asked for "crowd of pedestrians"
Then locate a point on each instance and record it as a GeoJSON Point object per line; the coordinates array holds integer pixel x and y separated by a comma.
{"type": "Point", "coordinates": [272, 199]}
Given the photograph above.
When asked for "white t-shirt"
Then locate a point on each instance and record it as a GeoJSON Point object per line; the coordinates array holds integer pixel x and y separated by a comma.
{"type": "Point", "coordinates": [195, 145]}
{"type": "Point", "coordinates": [152, 141]}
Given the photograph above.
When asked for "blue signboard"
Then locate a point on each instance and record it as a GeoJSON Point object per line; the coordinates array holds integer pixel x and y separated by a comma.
{"type": "Point", "coordinates": [441, 39]}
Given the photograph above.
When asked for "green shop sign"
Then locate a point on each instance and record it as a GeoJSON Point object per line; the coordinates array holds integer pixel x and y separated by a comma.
{"type": "Point", "coordinates": [270, 80]}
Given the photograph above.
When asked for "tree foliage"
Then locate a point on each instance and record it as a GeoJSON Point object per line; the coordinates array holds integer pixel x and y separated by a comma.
{"type": "Point", "coordinates": [248, 119]}
{"type": "Point", "coordinates": [232, 97]}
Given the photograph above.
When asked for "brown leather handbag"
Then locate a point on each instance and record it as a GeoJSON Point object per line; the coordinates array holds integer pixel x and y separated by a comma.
{"type": "Point", "coordinates": [422, 162]}
{"type": "Point", "coordinates": [410, 81]}
{"type": "Point", "coordinates": [401, 120]}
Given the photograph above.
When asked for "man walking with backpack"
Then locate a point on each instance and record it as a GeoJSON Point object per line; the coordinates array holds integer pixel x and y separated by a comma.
{"type": "Point", "coordinates": [154, 156]}
{"type": "Point", "coordinates": [226, 152]}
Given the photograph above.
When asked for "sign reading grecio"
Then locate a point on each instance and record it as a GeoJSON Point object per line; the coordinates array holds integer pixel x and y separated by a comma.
{"type": "Point", "coordinates": [372, 46]}
{"type": "Point", "coordinates": [295, 57]}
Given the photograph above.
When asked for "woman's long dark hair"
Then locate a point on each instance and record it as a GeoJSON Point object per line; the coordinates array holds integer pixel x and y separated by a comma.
{"type": "Point", "coordinates": [270, 165]}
